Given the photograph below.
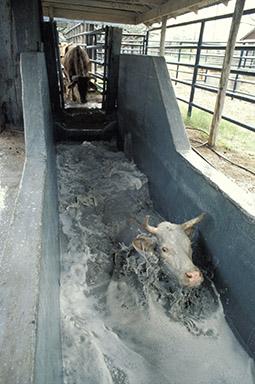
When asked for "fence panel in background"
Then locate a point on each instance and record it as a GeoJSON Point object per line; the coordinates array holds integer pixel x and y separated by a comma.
{"type": "Point", "coordinates": [197, 65]}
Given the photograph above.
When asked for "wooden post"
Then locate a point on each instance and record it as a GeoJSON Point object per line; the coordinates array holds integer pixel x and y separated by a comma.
{"type": "Point", "coordinates": [163, 36]}
{"type": "Point", "coordinates": [225, 72]}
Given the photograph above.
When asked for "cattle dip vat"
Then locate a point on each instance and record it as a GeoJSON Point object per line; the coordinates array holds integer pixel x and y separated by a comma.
{"type": "Point", "coordinates": [77, 304]}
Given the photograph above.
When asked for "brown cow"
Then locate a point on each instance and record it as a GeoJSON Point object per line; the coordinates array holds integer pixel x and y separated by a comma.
{"type": "Point", "coordinates": [76, 67]}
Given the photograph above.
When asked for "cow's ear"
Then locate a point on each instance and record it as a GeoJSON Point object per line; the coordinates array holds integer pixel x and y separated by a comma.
{"type": "Point", "coordinates": [143, 244]}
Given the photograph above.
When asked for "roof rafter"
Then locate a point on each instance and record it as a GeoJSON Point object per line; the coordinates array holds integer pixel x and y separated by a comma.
{"type": "Point", "coordinates": [123, 11]}
{"type": "Point", "coordinates": [125, 6]}
{"type": "Point", "coordinates": [89, 13]}
{"type": "Point", "coordinates": [152, 3]}
{"type": "Point", "coordinates": [174, 8]}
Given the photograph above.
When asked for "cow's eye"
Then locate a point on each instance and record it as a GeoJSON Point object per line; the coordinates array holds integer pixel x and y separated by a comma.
{"type": "Point", "coordinates": [164, 249]}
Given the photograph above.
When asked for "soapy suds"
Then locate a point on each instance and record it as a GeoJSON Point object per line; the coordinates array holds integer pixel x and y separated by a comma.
{"type": "Point", "coordinates": [115, 327]}
{"type": "Point", "coordinates": [3, 191]}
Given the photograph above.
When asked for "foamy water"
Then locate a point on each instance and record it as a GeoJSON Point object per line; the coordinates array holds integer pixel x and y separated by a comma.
{"type": "Point", "coordinates": [109, 334]}
{"type": "Point", "coordinates": [3, 191]}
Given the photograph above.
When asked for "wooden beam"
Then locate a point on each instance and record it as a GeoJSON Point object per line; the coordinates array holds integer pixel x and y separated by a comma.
{"type": "Point", "coordinates": [174, 8]}
{"type": "Point", "coordinates": [96, 4]}
{"type": "Point", "coordinates": [93, 14]}
{"type": "Point", "coordinates": [163, 36]}
{"type": "Point", "coordinates": [144, 3]}
{"type": "Point", "coordinates": [225, 72]}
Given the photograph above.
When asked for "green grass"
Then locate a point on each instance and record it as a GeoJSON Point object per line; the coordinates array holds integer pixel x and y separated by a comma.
{"type": "Point", "coordinates": [230, 136]}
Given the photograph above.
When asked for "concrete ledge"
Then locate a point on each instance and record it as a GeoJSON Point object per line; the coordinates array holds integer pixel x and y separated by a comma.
{"type": "Point", "coordinates": [182, 185]}
{"type": "Point", "coordinates": [30, 349]}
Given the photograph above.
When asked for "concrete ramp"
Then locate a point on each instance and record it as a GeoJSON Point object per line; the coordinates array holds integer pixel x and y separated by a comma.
{"type": "Point", "coordinates": [30, 350]}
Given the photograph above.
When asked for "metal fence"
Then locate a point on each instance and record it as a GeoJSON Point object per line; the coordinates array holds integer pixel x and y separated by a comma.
{"type": "Point", "coordinates": [134, 43]}
{"type": "Point", "coordinates": [198, 64]}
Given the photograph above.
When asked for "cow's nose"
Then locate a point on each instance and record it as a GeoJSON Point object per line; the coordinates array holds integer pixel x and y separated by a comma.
{"type": "Point", "coordinates": [194, 278]}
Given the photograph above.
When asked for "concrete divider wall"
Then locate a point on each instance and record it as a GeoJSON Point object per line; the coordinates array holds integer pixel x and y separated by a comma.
{"type": "Point", "coordinates": [30, 350]}
{"type": "Point", "coordinates": [182, 185]}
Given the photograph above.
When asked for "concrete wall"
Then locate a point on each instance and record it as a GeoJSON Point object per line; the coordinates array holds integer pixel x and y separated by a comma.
{"type": "Point", "coordinates": [10, 90]}
{"type": "Point", "coordinates": [30, 347]}
{"type": "Point", "coordinates": [20, 31]}
{"type": "Point", "coordinates": [182, 185]}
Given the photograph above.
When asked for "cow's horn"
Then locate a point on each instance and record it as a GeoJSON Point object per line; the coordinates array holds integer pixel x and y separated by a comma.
{"type": "Point", "coordinates": [188, 225]}
{"type": "Point", "coordinates": [148, 227]}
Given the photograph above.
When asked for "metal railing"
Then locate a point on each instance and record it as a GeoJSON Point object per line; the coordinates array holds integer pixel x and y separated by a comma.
{"type": "Point", "coordinates": [134, 43]}
{"type": "Point", "coordinates": [198, 64]}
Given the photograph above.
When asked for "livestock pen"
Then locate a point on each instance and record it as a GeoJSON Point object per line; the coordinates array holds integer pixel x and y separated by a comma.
{"type": "Point", "coordinates": [197, 63]}
{"type": "Point", "coordinates": [86, 295]}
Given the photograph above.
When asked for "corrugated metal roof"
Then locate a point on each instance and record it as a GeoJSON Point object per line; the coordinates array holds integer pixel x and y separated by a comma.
{"type": "Point", "coordinates": [122, 11]}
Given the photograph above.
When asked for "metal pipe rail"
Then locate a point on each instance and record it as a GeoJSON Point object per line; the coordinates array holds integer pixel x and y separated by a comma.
{"type": "Point", "coordinates": [219, 17]}
{"type": "Point", "coordinates": [133, 34]}
{"type": "Point", "coordinates": [207, 75]}
{"type": "Point", "coordinates": [209, 47]}
{"type": "Point", "coordinates": [86, 33]}
{"type": "Point", "coordinates": [207, 55]}
{"type": "Point", "coordinates": [99, 76]}
{"type": "Point", "coordinates": [99, 31]}
{"type": "Point", "coordinates": [73, 27]}
{"type": "Point", "coordinates": [213, 67]}
{"type": "Point", "coordinates": [236, 95]}
{"type": "Point", "coordinates": [136, 42]}
{"type": "Point", "coordinates": [131, 44]}
{"type": "Point", "coordinates": [96, 46]}
{"type": "Point", "coordinates": [98, 62]}
{"type": "Point", "coordinates": [227, 118]}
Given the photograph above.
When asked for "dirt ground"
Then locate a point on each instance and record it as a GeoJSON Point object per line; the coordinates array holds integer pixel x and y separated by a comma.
{"type": "Point", "coordinates": [245, 179]}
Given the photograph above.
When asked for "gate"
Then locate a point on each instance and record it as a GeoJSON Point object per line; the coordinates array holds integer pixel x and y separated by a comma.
{"type": "Point", "coordinates": [103, 45]}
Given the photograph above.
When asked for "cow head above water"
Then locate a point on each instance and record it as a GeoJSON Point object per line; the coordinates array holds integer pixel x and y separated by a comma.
{"type": "Point", "coordinates": [172, 243]}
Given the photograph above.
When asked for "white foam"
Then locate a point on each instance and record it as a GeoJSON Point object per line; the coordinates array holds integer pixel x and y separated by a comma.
{"type": "Point", "coordinates": [107, 336]}
{"type": "Point", "coordinates": [3, 191]}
